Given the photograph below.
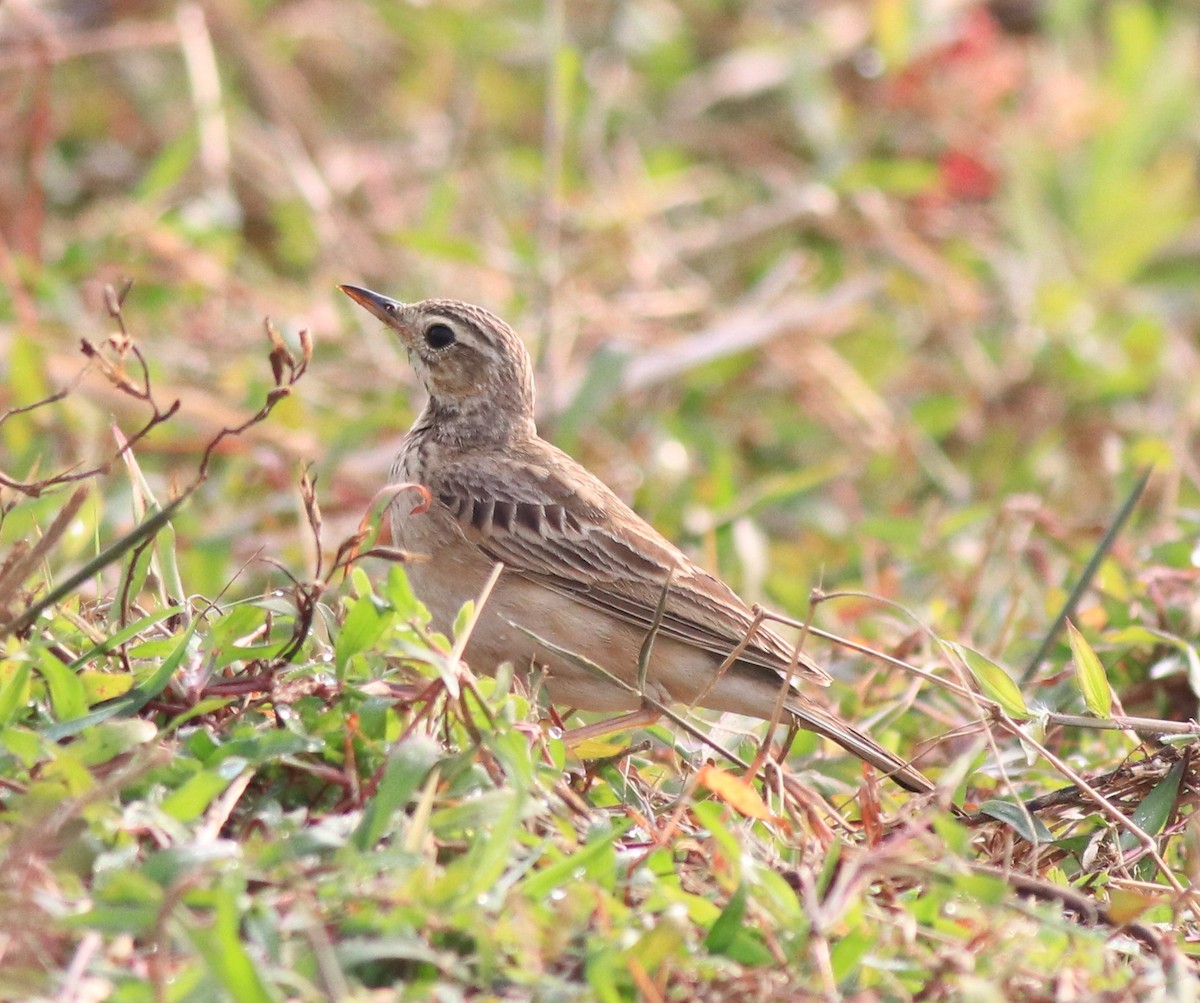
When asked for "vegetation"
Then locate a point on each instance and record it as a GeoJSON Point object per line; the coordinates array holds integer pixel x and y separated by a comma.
{"type": "Point", "coordinates": [887, 311]}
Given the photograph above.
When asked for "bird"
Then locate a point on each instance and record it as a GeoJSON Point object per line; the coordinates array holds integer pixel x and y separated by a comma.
{"type": "Point", "coordinates": [582, 573]}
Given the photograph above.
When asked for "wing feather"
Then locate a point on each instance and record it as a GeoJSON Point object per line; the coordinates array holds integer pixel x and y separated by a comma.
{"type": "Point", "coordinates": [551, 521]}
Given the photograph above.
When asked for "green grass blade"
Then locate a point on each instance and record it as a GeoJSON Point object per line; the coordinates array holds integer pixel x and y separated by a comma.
{"type": "Point", "coordinates": [1089, 572]}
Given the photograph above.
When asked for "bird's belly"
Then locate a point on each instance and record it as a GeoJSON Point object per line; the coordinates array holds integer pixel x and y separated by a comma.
{"type": "Point", "coordinates": [522, 615]}
{"type": "Point", "coordinates": [519, 615]}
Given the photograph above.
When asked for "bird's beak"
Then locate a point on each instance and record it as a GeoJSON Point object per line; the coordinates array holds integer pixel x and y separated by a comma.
{"type": "Point", "coordinates": [387, 310]}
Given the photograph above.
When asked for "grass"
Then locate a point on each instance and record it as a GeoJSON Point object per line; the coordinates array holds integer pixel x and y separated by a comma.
{"type": "Point", "coordinates": [882, 312]}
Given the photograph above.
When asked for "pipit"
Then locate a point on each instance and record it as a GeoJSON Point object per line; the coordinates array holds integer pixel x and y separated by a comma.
{"type": "Point", "coordinates": [582, 572]}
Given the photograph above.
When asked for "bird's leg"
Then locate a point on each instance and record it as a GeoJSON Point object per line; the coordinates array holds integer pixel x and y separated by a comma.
{"type": "Point", "coordinates": [634, 719]}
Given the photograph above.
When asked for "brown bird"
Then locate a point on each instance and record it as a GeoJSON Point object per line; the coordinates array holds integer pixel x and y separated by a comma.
{"type": "Point", "coordinates": [581, 570]}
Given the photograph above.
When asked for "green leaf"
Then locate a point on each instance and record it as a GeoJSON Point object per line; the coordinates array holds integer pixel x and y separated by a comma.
{"type": "Point", "coordinates": [362, 628]}
{"type": "Point", "coordinates": [135, 699]}
{"type": "Point", "coordinates": [664, 940]}
{"type": "Point", "coordinates": [67, 697]}
{"type": "Point", "coordinates": [133, 579]}
{"type": "Point", "coordinates": [463, 620]}
{"type": "Point", "coordinates": [15, 693]}
{"type": "Point", "coordinates": [747, 948]}
{"type": "Point", "coordinates": [407, 767]}
{"type": "Point", "coordinates": [848, 952]}
{"type": "Point", "coordinates": [397, 590]}
{"type": "Point", "coordinates": [174, 160]}
{"type": "Point", "coordinates": [164, 560]}
{"type": "Point", "coordinates": [993, 681]}
{"type": "Point", "coordinates": [725, 927]}
{"type": "Point", "coordinates": [1089, 673]}
{"type": "Point", "coordinates": [125, 901]}
{"type": "Point", "coordinates": [110, 739]}
{"type": "Point", "coordinates": [188, 860]}
{"type": "Point", "coordinates": [1139, 634]}
{"type": "Point", "coordinates": [190, 800]}
{"type": "Point", "coordinates": [268, 745]}
{"type": "Point", "coordinates": [711, 815]}
{"type": "Point", "coordinates": [157, 681]}
{"type": "Point", "coordinates": [199, 709]}
{"type": "Point", "coordinates": [607, 975]}
{"type": "Point", "coordinates": [1155, 810]}
{"type": "Point", "coordinates": [101, 686]}
{"type": "Point", "coordinates": [27, 746]}
{"type": "Point", "coordinates": [1019, 819]}
{"type": "Point", "coordinates": [554, 875]}
{"type": "Point", "coordinates": [492, 851]}
{"type": "Point", "coordinates": [221, 946]}
{"type": "Point", "coordinates": [127, 633]}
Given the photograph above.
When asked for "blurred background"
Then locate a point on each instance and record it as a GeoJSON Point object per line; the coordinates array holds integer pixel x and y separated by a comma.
{"type": "Point", "coordinates": [893, 295]}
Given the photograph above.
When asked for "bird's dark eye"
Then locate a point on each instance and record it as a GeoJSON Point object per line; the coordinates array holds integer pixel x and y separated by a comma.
{"type": "Point", "coordinates": [439, 336]}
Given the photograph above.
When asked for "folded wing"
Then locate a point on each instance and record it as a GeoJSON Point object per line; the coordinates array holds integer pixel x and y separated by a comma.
{"type": "Point", "coordinates": [572, 534]}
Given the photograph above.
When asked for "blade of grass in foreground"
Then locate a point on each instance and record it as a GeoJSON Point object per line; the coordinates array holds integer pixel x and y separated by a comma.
{"type": "Point", "coordinates": [140, 532]}
{"type": "Point", "coordinates": [135, 699]}
{"type": "Point", "coordinates": [1089, 572]}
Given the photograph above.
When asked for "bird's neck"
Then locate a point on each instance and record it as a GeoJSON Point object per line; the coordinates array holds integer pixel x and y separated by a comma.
{"type": "Point", "coordinates": [465, 426]}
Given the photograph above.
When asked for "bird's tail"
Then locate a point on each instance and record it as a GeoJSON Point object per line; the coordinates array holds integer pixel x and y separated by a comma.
{"type": "Point", "coordinates": [817, 719]}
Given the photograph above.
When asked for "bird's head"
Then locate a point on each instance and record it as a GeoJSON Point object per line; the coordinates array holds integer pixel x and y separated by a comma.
{"type": "Point", "coordinates": [476, 370]}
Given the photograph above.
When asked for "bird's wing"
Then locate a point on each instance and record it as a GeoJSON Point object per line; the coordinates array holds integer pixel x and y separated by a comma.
{"type": "Point", "coordinates": [546, 518]}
